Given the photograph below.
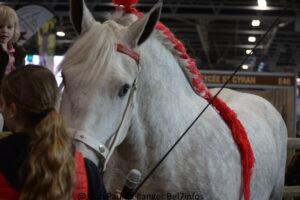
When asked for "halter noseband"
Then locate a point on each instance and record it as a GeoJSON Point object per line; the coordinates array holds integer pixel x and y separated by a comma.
{"type": "Point", "coordinates": [117, 138]}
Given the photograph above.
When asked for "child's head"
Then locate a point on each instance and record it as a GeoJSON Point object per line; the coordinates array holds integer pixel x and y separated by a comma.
{"type": "Point", "coordinates": [9, 17]}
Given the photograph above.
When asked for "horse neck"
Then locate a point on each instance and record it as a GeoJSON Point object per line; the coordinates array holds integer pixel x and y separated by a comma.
{"type": "Point", "coordinates": [166, 102]}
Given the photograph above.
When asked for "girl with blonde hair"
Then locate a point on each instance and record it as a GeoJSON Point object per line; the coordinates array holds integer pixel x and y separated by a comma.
{"type": "Point", "coordinates": [39, 161]}
{"type": "Point", "coordinates": [11, 55]}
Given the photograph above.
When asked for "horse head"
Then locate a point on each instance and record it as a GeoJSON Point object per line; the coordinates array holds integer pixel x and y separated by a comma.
{"type": "Point", "coordinates": [100, 74]}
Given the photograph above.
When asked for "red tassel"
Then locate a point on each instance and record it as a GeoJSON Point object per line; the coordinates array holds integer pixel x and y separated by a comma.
{"type": "Point", "coordinates": [180, 47]}
{"type": "Point", "coordinates": [184, 55]}
{"type": "Point", "coordinates": [159, 26]}
{"type": "Point", "coordinates": [126, 3]}
{"type": "Point", "coordinates": [136, 12]}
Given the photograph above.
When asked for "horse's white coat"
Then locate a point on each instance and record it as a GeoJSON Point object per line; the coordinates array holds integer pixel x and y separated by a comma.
{"type": "Point", "coordinates": [207, 160]}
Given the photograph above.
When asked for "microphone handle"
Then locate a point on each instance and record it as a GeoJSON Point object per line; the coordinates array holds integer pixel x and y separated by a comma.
{"type": "Point", "coordinates": [127, 193]}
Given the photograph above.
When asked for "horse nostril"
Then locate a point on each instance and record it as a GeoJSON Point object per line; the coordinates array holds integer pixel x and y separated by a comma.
{"type": "Point", "coordinates": [124, 90]}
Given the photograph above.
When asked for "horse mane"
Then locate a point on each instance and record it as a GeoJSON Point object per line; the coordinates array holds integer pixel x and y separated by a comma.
{"type": "Point", "coordinates": [85, 65]}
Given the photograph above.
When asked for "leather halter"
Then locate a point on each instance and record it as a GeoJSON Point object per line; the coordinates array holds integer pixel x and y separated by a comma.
{"type": "Point", "coordinates": [131, 53]}
{"type": "Point", "coordinates": [102, 150]}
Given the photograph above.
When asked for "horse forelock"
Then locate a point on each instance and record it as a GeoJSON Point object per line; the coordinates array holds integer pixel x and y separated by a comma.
{"type": "Point", "coordinates": [91, 53]}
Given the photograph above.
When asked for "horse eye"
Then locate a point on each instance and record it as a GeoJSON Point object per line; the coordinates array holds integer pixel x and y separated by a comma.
{"type": "Point", "coordinates": [124, 90]}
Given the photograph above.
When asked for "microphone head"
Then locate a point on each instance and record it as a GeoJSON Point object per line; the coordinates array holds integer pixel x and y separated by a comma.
{"type": "Point", "coordinates": [133, 178]}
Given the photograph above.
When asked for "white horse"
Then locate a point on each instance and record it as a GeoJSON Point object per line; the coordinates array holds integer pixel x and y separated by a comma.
{"type": "Point", "coordinates": [99, 101]}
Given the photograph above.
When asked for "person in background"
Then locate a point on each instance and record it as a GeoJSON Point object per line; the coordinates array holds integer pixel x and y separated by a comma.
{"type": "Point", "coordinates": [38, 160]}
{"type": "Point", "coordinates": [11, 55]}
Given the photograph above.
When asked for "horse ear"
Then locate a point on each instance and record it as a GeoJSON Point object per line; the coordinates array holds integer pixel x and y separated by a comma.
{"type": "Point", "coordinates": [139, 31]}
{"type": "Point", "coordinates": [81, 17]}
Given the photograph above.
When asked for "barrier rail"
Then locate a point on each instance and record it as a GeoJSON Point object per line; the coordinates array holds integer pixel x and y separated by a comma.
{"type": "Point", "coordinates": [291, 191]}
{"type": "Point", "coordinates": [293, 143]}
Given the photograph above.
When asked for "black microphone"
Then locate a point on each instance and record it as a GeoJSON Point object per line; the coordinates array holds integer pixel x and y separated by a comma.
{"type": "Point", "coordinates": [132, 181]}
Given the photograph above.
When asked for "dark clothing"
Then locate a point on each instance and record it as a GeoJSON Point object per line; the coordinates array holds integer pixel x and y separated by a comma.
{"type": "Point", "coordinates": [3, 60]}
{"type": "Point", "coordinates": [19, 55]}
{"type": "Point", "coordinates": [13, 157]}
{"type": "Point", "coordinates": [13, 153]}
{"type": "Point", "coordinates": [292, 176]}
{"type": "Point", "coordinates": [97, 190]}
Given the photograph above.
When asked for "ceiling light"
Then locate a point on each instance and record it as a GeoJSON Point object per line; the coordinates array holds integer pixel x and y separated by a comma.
{"type": "Point", "coordinates": [255, 22]}
{"type": "Point", "coordinates": [60, 33]}
{"type": "Point", "coordinates": [251, 39]}
{"type": "Point", "coordinates": [262, 4]}
{"type": "Point", "coordinates": [245, 67]}
{"type": "Point", "coordinates": [248, 51]}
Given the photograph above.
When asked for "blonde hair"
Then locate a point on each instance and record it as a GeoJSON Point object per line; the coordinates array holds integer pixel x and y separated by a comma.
{"type": "Point", "coordinates": [9, 16]}
{"type": "Point", "coordinates": [50, 168]}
